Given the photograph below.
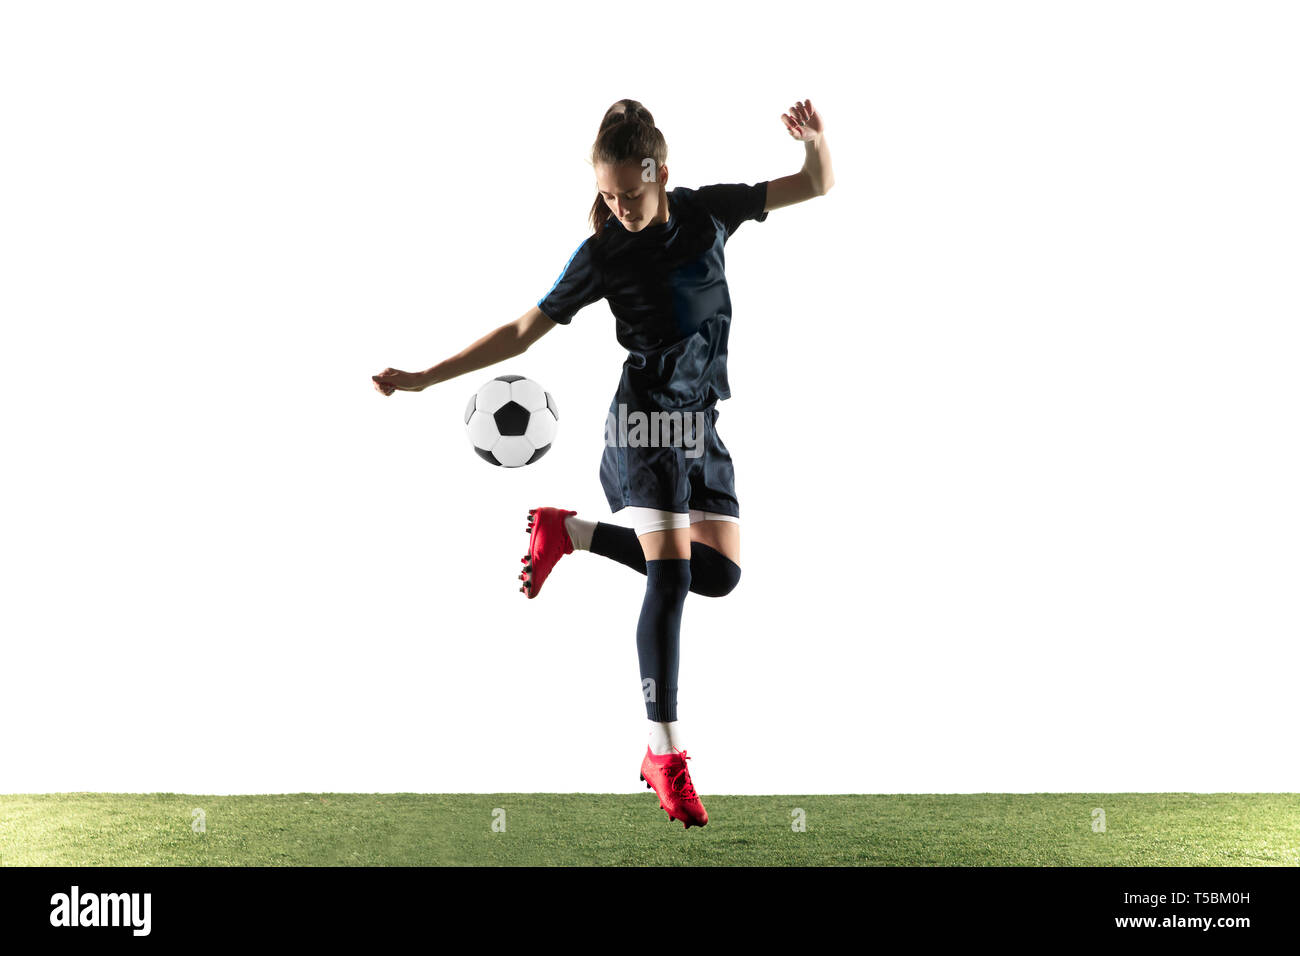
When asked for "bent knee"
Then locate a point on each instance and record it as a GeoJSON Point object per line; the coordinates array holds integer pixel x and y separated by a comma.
{"type": "Point", "coordinates": [720, 583]}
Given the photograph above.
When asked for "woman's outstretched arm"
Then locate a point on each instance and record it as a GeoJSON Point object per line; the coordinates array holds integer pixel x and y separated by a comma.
{"type": "Point", "coordinates": [804, 124]}
{"type": "Point", "coordinates": [501, 343]}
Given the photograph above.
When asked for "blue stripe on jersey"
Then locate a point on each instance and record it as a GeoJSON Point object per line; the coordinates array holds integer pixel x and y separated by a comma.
{"type": "Point", "coordinates": [563, 271]}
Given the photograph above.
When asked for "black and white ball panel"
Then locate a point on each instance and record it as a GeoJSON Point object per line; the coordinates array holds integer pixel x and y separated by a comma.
{"type": "Point", "coordinates": [511, 421]}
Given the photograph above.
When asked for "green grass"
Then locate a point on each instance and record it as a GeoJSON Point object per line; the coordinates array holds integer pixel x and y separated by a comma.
{"type": "Point", "coordinates": [1163, 829]}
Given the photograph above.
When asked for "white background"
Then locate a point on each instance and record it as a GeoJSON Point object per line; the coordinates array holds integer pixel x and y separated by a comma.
{"type": "Point", "coordinates": [1013, 415]}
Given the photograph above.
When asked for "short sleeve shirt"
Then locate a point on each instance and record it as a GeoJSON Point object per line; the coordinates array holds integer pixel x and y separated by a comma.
{"type": "Point", "coordinates": [667, 288]}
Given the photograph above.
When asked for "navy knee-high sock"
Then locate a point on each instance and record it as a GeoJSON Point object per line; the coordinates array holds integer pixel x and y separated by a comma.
{"type": "Point", "coordinates": [658, 635]}
{"type": "Point", "coordinates": [713, 574]}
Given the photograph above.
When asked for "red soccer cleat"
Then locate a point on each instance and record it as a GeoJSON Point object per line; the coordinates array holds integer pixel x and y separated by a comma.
{"type": "Point", "coordinates": [548, 541]}
{"type": "Point", "coordinates": [666, 775]}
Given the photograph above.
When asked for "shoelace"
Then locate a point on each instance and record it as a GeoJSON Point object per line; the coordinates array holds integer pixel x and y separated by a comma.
{"type": "Point", "coordinates": [686, 789]}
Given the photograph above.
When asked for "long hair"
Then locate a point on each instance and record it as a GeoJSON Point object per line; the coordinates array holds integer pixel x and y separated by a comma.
{"type": "Point", "coordinates": [627, 135]}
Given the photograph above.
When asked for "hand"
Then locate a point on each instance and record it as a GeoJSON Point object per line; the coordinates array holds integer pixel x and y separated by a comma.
{"type": "Point", "coordinates": [803, 122]}
{"type": "Point", "coordinates": [392, 380]}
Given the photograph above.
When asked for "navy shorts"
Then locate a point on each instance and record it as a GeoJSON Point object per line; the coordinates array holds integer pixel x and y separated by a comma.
{"type": "Point", "coordinates": [669, 465]}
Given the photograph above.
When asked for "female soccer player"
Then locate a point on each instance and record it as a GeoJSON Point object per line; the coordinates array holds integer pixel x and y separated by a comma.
{"type": "Point", "coordinates": [657, 258]}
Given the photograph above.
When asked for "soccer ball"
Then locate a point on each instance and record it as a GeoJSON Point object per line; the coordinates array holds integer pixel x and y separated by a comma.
{"type": "Point", "coordinates": [511, 421]}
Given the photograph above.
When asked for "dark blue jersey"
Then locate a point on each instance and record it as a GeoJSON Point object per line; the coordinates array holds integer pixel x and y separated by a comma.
{"type": "Point", "coordinates": [667, 288]}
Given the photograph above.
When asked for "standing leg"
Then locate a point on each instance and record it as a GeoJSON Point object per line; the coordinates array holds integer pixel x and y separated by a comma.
{"type": "Point", "coordinates": [666, 547]}
{"type": "Point", "coordinates": [668, 578]}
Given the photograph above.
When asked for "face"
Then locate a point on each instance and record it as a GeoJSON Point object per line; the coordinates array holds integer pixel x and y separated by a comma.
{"type": "Point", "coordinates": [634, 202]}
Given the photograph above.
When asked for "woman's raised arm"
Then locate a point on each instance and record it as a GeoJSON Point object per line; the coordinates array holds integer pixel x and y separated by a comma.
{"type": "Point", "coordinates": [805, 125]}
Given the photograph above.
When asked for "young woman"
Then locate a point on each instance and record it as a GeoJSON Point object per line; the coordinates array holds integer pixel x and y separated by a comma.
{"type": "Point", "coordinates": [657, 258]}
